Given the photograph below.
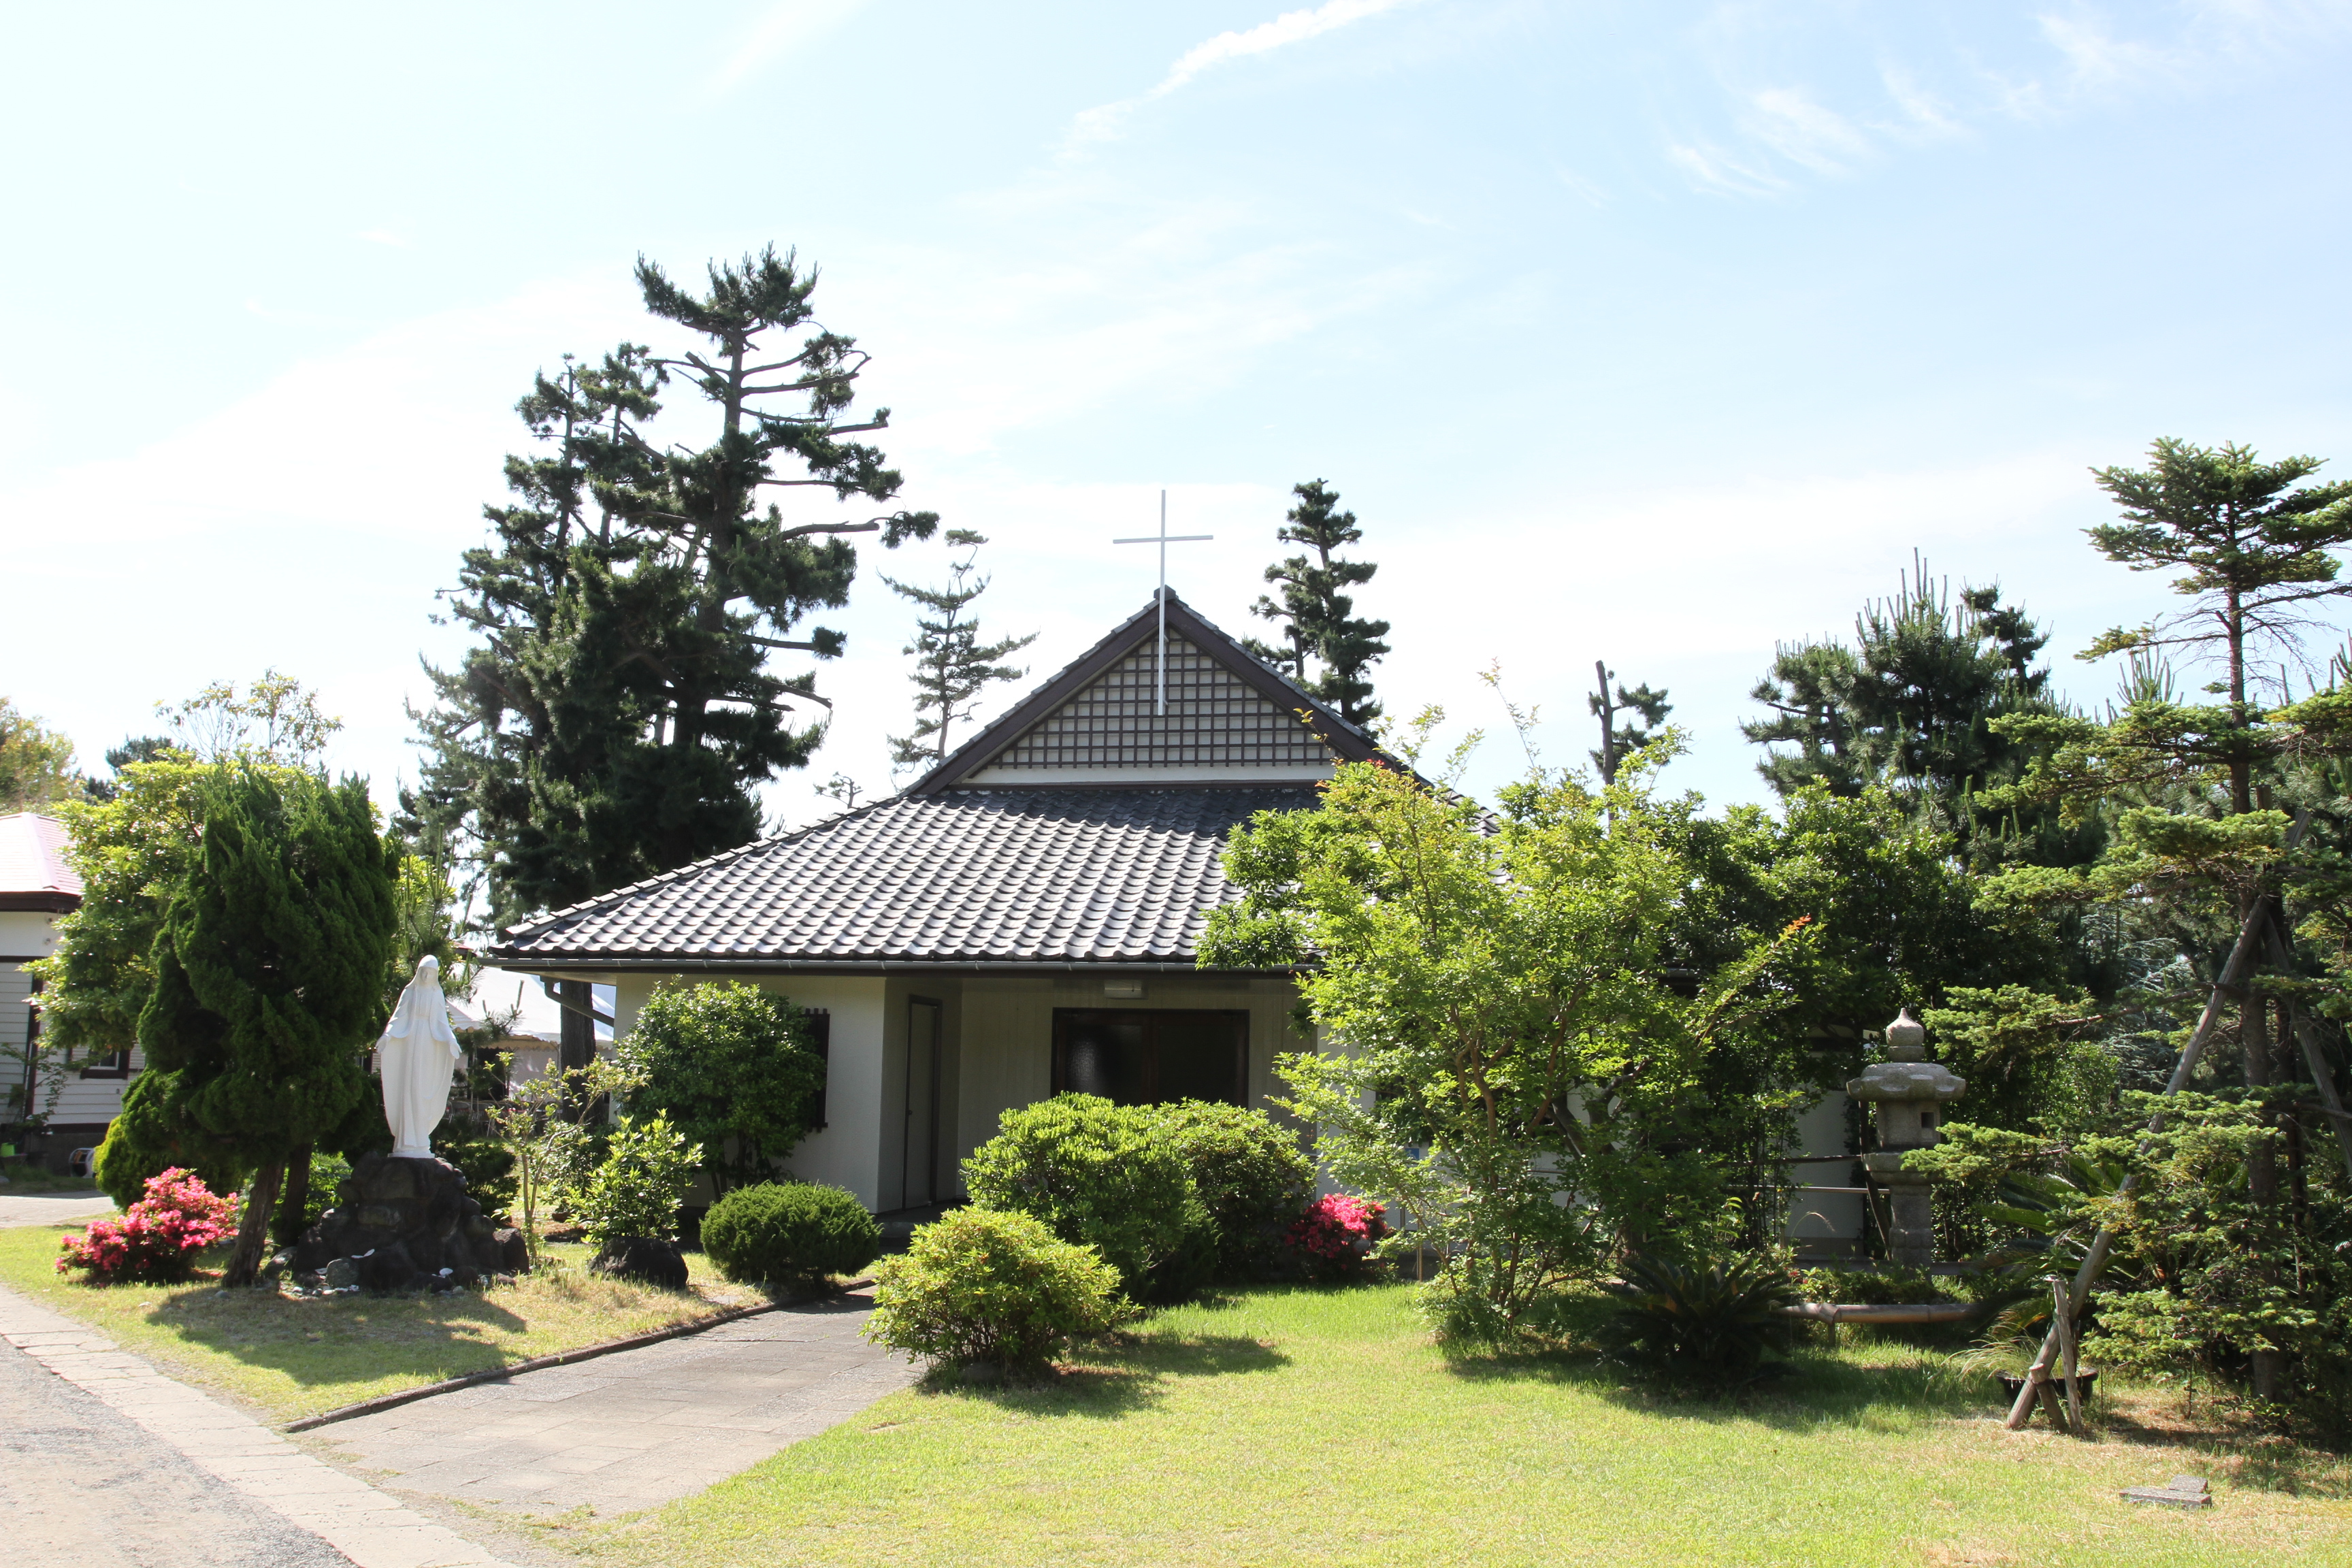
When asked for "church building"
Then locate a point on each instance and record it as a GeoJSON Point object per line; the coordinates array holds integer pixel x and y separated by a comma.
{"type": "Point", "coordinates": [1019, 922]}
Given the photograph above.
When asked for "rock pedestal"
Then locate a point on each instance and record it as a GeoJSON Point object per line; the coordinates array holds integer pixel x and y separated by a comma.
{"type": "Point", "coordinates": [405, 1224]}
{"type": "Point", "coordinates": [1909, 1092]}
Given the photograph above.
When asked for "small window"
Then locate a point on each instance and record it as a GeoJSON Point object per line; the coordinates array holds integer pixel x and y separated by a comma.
{"type": "Point", "coordinates": [109, 1064]}
{"type": "Point", "coordinates": [820, 1034]}
{"type": "Point", "coordinates": [1145, 1056]}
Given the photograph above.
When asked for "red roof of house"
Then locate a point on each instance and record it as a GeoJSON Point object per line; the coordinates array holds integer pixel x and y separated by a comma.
{"type": "Point", "coordinates": [33, 870]}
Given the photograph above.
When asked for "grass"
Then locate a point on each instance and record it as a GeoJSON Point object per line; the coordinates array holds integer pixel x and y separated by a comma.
{"type": "Point", "coordinates": [292, 1358]}
{"type": "Point", "coordinates": [1296, 1426]}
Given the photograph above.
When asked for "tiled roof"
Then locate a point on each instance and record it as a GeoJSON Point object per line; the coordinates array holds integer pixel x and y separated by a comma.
{"type": "Point", "coordinates": [33, 869]}
{"type": "Point", "coordinates": [1106, 874]}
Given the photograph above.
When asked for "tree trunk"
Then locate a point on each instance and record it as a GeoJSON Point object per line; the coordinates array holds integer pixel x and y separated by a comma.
{"type": "Point", "coordinates": [296, 1200]}
{"type": "Point", "coordinates": [2261, 1163]}
{"type": "Point", "coordinates": [253, 1227]}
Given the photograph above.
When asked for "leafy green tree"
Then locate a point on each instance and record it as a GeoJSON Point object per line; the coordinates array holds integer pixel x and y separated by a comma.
{"type": "Point", "coordinates": [619, 711]}
{"type": "Point", "coordinates": [274, 717]}
{"type": "Point", "coordinates": [639, 1187]}
{"type": "Point", "coordinates": [952, 666]}
{"type": "Point", "coordinates": [732, 1067]}
{"type": "Point", "coordinates": [1317, 615]}
{"type": "Point", "coordinates": [1519, 1064]}
{"type": "Point", "coordinates": [270, 976]}
{"type": "Point", "coordinates": [37, 769]}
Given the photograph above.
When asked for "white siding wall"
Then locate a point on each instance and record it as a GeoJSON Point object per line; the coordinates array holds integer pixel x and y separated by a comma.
{"type": "Point", "coordinates": [847, 1150]}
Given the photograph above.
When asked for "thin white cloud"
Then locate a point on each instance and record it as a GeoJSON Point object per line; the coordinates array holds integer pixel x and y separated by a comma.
{"type": "Point", "coordinates": [782, 29]}
{"type": "Point", "coordinates": [1713, 169]}
{"type": "Point", "coordinates": [1798, 129]}
{"type": "Point", "coordinates": [1102, 122]}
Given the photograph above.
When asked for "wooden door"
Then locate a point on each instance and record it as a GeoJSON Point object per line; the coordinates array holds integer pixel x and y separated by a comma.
{"type": "Point", "coordinates": [920, 1170]}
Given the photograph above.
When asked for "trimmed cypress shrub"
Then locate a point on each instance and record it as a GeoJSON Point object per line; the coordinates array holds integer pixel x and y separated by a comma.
{"type": "Point", "coordinates": [789, 1234]}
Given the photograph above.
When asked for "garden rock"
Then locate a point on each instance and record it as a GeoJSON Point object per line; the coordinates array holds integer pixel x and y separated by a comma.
{"type": "Point", "coordinates": [514, 1251]}
{"type": "Point", "coordinates": [399, 1223]}
{"type": "Point", "coordinates": [342, 1274]}
{"type": "Point", "coordinates": [645, 1259]}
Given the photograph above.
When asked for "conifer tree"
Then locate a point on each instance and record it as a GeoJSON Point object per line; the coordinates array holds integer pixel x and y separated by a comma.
{"type": "Point", "coordinates": [1910, 704]}
{"type": "Point", "coordinates": [1618, 741]}
{"type": "Point", "coordinates": [620, 711]}
{"type": "Point", "coordinates": [2252, 552]}
{"type": "Point", "coordinates": [270, 976]}
{"type": "Point", "coordinates": [1316, 617]}
{"type": "Point", "coordinates": [953, 667]}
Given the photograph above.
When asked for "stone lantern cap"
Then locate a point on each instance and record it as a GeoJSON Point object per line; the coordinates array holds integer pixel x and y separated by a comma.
{"type": "Point", "coordinates": [1908, 1075]}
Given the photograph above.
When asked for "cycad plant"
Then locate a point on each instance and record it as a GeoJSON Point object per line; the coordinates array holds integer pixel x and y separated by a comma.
{"type": "Point", "coordinates": [1714, 1323]}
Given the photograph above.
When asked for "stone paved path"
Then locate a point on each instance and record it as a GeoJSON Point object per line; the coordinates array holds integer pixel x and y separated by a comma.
{"type": "Point", "coordinates": [51, 1208]}
{"type": "Point", "coordinates": [317, 1508]}
{"type": "Point", "coordinates": [630, 1430]}
{"type": "Point", "coordinates": [81, 1484]}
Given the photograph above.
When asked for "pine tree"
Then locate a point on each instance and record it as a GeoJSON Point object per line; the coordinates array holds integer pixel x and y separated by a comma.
{"type": "Point", "coordinates": [1317, 619]}
{"type": "Point", "coordinates": [1910, 704]}
{"type": "Point", "coordinates": [270, 977]}
{"type": "Point", "coordinates": [619, 711]}
{"type": "Point", "coordinates": [953, 667]}
{"type": "Point", "coordinates": [1618, 741]}
{"type": "Point", "coordinates": [2253, 551]}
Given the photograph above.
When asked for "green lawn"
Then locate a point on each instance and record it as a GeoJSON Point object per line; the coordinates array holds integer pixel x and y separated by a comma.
{"type": "Point", "coordinates": [294, 1358]}
{"type": "Point", "coordinates": [1296, 1426]}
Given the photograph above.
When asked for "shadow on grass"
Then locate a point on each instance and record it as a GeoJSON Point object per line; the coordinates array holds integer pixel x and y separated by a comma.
{"type": "Point", "coordinates": [1807, 1391]}
{"type": "Point", "coordinates": [1119, 1376]}
{"type": "Point", "coordinates": [351, 1338]}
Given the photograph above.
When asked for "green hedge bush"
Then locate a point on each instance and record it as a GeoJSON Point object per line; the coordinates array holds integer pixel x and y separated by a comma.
{"type": "Point", "coordinates": [1095, 1174]}
{"type": "Point", "coordinates": [789, 1234]}
{"type": "Point", "coordinates": [1249, 1174]}
{"type": "Point", "coordinates": [984, 1286]}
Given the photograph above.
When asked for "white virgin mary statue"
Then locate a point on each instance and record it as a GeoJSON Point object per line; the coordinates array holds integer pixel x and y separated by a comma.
{"type": "Point", "coordinates": [416, 1055]}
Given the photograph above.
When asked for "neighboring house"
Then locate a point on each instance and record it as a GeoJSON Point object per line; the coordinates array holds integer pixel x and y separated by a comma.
{"type": "Point", "coordinates": [1020, 922]}
{"type": "Point", "coordinates": [36, 885]}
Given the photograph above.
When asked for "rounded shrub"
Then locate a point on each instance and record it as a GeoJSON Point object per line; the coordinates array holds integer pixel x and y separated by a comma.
{"type": "Point", "coordinates": [984, 1286]}
{"type": "Point", "coordinates": [1095, 1174]}
{"type": "Point", "coordinates": [1250, 1176]}
{"type": "Point", "coordinates": [788, 1233]}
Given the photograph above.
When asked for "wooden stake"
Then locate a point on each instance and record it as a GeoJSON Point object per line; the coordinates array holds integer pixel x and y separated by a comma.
{"type": "Point", "coordinates": [2067, 1363]}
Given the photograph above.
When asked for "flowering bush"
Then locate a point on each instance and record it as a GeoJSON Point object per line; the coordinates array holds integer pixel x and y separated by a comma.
{"type": "Point", "coordinates": [1336, 1234]}
{"type": "Point", "coordinates": [157, 1241]}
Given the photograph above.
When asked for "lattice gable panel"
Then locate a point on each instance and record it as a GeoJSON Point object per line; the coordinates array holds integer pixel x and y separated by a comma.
{"type": "Point", "coordinates": [1213, 719]}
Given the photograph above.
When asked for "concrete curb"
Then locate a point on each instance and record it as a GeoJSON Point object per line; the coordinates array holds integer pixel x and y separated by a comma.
{"type": "Point", "coordinates": [560, 1358]}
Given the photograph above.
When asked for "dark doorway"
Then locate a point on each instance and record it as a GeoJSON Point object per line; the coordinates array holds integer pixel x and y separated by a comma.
{"type": "Point", "coordinates": [919, 1160]}
{"type": "Point", "coordinates": [1143, 1056]}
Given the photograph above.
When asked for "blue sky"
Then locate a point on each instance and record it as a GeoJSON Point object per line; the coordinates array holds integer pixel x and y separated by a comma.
{"type": "Point", "coordinates": [1653, 333]}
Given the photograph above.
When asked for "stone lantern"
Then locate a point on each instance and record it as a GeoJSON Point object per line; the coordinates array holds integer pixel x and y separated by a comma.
{"type": "Point", "coordinates": [1909, 1092]}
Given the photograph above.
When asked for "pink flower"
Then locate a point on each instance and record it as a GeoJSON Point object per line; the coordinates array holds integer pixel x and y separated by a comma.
{"type": "Point", "coordinates": [157, 1237]}
{"type": "Point", "coordinates": [1336, 1230]}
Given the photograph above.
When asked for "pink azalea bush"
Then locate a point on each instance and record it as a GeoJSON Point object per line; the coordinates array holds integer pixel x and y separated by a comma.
{"type": "Point", "coordinates": [158, 1239]}
{"type": "Point", "coordinates": [1336, 1233]}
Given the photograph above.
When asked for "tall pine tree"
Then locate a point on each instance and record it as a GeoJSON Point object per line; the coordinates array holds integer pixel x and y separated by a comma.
{"type": "Point", "coordinates": [953, 667]}
{"type": "Point", "coordinates": [619, 712]}
{"type": "Point", "coordinates": [1318, 619]}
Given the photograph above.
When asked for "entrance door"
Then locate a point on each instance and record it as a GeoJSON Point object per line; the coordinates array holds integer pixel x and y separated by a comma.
{"type": "Point", "coordinates": [1138, 1055]}
{"type": "Point", "coordinates": [920, 1170]}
